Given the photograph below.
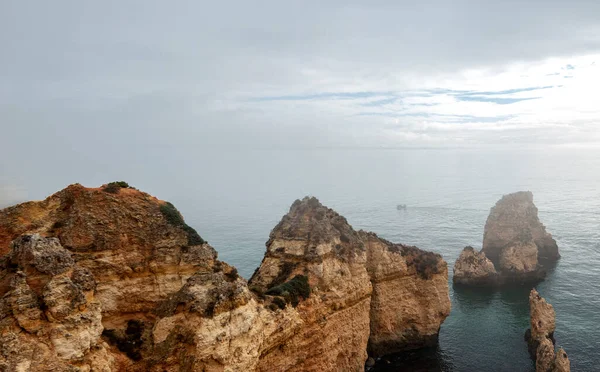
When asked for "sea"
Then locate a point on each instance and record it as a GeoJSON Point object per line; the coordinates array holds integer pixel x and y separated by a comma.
{"type": "Point", "coordinates": [448, 192]}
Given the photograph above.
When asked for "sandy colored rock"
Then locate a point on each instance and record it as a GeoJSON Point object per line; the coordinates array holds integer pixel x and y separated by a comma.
{"type": "Point", "coordinates": [542, 316]}
{"type": "Point", "coordinates": [540, 337]}
{"type": "Point", "coordinates": [562, 362]}
{"type": "Point", "coordinates": [544, 361]}
{"type": "Point", "coordinates": [315, 241]}
{"type": "Point", "coordinates": [410, 297]}
{"type": "Point", "coordinates": [111, 281]}
{"type": "Point", "coordinates": [474, 268]}
{"type": "Point", "coordinates": [515, 243]}
{"type": "Point", "coordinates": [514, 221]}
{"type": "Point", "coordinates": [519, 259]}
{"type": "Point", "coordinates": [52, 324]}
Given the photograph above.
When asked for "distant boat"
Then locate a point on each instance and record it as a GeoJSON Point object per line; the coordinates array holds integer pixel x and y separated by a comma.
{"type": "Point", "coordinates": [401, 206]}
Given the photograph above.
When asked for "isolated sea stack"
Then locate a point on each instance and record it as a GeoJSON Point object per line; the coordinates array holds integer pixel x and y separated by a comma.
{"type": "Point", "coordinates": [113, 279]}
{"type": "Point", "coordinates": [515, 243]}
{"type": "Point", "coordinates": [540, 337]}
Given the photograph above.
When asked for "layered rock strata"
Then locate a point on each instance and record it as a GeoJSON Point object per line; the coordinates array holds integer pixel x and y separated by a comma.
{"type": "Point", "coordinates": [515, 244]}
{"type": "Point", "coordinates": [410, 297]}
{"type": "Point", "coordinates": [540, 337]}
{"type": "Point", "coordinates": [113, 279]}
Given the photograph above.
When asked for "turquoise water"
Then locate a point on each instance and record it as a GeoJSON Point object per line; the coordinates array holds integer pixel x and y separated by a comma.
{"type": "Point", "coordinates": [449, 193]}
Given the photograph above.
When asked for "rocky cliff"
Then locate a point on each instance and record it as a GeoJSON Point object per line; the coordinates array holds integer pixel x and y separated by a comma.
{"type": "Point", "coordinates": [410, 297]}
{"type": "Point", "coordinates": [540, 337]}
{"type": "Point", "coordinates": [515, 243]}
{"type": "Point", "coordinates": [112, 279]}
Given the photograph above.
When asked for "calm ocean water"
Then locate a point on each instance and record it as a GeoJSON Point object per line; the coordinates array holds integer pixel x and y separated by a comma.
{"type": "Point", "coordinates": [449, 193]}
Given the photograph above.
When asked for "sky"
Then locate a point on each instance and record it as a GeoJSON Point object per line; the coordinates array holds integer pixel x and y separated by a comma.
{"type": "Point", "coordinates": [90, 90]}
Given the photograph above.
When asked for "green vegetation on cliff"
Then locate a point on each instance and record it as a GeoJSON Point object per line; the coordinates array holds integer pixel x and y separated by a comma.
{"type": "Point", "coordinates": [292, 290]}
{"type": "Point", "coordinates": [174, 218]}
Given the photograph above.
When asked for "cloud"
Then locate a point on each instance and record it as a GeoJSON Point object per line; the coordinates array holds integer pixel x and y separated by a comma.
{"type": "Point", "coordinates": [97, 90]}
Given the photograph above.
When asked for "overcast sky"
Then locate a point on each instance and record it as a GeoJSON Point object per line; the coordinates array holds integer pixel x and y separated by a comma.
{"type": "Point", "coordinates": [85, 85]}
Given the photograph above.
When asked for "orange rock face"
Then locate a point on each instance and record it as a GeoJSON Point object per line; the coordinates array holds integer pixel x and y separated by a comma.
{"type": "Point", "coordinates": [110, 281]}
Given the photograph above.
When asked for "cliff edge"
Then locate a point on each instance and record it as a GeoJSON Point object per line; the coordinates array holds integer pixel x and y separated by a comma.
{"type": "Point", "coordinates": [111, 278]}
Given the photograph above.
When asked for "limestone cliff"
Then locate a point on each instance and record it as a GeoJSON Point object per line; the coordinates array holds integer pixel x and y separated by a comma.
{"type": "Point", "coordinates": [515, 242]}
{"type": "Point", "coordinates": [316, 242]}
{"type": "Point", "coordinates": [410, 297]}
{"type": "Point", "coordinates": [112, 279]}
{"type": "Point", "coordinates": [540, 337]}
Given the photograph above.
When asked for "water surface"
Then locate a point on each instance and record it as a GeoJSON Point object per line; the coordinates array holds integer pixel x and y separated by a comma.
{"type": "Point", "coordinates": [449, 194]}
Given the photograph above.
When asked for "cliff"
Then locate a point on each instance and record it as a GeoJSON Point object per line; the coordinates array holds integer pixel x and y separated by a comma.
{"type": "Point", "coordinates": [112, 279]}
{"type": "Point", "coordinates": [410, 297]}
{"type": "Point", "coordinates": [515, 243]}
{"type": "Point", "coordinates": [540, 337]}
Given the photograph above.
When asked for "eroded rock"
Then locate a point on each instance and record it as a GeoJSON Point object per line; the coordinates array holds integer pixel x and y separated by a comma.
{"type": "Point", "coordinates": [515, 243]}
{"type": "Point", "coordinates": [514, 221]}
{"type": "Point", "coordinates": [410, 297]}
{"type": "Point", "coordinates": [540, 337]}
{"type": "Point", "coordinates": [474, 268]}
{"type": "Point", "coordinates": [54, 324]}
{"type": "Point", "coordinates": [107, 281]}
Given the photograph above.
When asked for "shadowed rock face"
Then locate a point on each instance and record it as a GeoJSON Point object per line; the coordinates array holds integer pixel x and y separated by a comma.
{"type": "Point", "coordinates": [106, 281]}
{"type": "Point", "coordinates": [540, 337]}
{"type": "Point", "coordinates": [514, 243]}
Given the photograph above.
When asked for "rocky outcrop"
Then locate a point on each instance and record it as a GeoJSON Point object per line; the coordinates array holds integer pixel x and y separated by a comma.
{"type": "Point", "coordinates": [474, 268]}
{"type": "Point", "coordinates": [410, 297]}
{"type": "Point", "coordinates": [515, 242]}
{"type": "Point", "coordinates": [514, 221]}
{"type": "Point", "coordinates": [540, 337]}
{"type": "Point", "coordinates": [113, 279]}
{"type": "Point", "coordinates": [368, 291]}
{"type": "Point", "coordinates": [316, 242]}
{"type": "Point", "coordinates": [50, 318]}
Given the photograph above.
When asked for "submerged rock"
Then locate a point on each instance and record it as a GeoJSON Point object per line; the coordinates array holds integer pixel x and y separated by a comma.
{"type": "Point", "coordinates": [540, 337]}
{"type": "Point", "coordinates": [515, 243]}
{"type": "Point", "coordinates": [113, 279]}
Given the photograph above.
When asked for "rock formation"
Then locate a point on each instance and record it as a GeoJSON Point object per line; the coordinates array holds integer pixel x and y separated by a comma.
{"type": "Point", "coordinates": [540, 337]}
{"type": "Point", "coordinates": [514, 244]}
{"type": "Point", "coordinates": [514, 222]}
{"type": "Point", "coordinates": [410, 297]}
{"type": "Point", "coordinates": [112, 279]}
{"type": "Point", "coordinates": [474, 268]}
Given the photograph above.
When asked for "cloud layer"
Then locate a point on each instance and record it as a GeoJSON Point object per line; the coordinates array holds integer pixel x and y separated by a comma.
{"type": "Point", "coordinates": [87, 84]}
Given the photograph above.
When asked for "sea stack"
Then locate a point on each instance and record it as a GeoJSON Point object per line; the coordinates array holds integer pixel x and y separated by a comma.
{"type": "Point", "coordinates": [113, 279]}
{"type": "Point", "coordinates": [515, 243]}
{"type": "Point", "coordinates": [540, 337]}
